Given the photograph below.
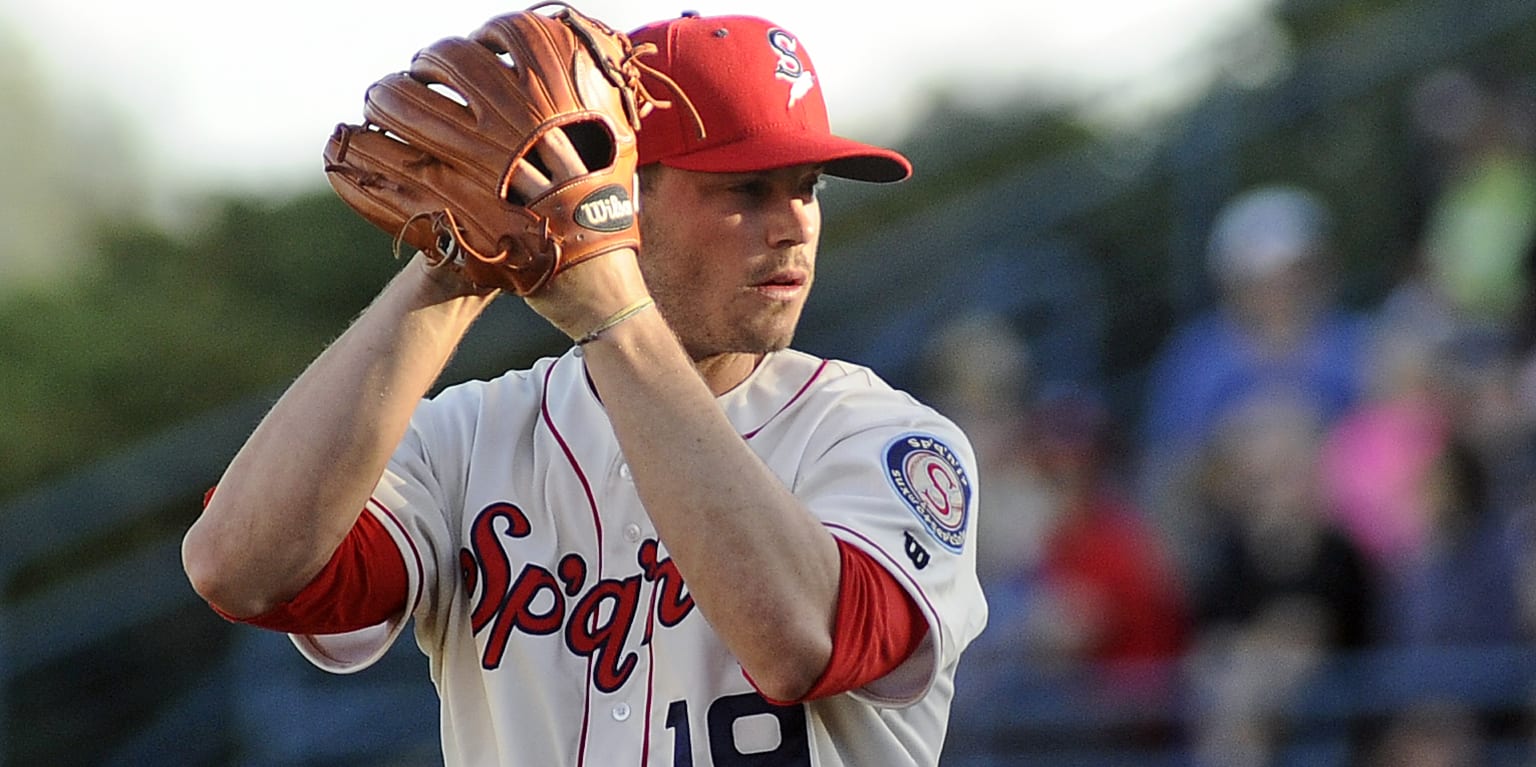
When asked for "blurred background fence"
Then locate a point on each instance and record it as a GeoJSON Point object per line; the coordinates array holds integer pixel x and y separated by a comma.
{"type": "Point", "coordinates": [1090, 246]}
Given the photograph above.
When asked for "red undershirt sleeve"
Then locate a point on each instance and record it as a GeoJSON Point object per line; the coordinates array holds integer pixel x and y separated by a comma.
{"type": "Point", "coordinates": [878, 626]}
{"type": "Point", "coordinates": [364, 584]}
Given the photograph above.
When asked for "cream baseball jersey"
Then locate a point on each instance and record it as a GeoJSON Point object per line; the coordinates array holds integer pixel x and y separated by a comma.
{"type": "Point", "coordinates": [557, 627]}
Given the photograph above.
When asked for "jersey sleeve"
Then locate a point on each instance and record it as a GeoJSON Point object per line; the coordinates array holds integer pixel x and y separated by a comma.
{"type": "Point", "coordinates": [419, 500]}
{"type": "Point", "coordinates": [898, 481]}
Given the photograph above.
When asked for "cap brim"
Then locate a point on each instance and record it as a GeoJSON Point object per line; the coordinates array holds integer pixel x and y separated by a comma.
{"type": "Point", "coordinates": [840, 157]}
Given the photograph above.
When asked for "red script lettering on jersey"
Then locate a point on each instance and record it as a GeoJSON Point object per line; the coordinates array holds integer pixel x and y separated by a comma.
{"type": "Point", "coordinates": [595, 624]}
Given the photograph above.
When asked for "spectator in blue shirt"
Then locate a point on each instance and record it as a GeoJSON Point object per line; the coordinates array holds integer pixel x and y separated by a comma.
{"type": "Point", "coordinates": [1276, 332]}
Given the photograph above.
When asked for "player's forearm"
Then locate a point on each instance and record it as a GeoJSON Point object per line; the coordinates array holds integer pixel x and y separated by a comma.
{"type": "Point", "coordinates": [296, 487]}
{"type": "Point", "coordinates": [750, 552]}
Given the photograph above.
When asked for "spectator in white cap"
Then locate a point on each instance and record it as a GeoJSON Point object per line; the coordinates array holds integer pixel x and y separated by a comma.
{"type": "Point", "coordinates": [1275, 332]}
{"type": "Point", "coordinates": [1267, 252]}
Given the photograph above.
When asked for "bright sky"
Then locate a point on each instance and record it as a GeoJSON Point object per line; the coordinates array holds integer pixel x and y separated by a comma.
{"type": "Point", "coordinates": [249, 91]}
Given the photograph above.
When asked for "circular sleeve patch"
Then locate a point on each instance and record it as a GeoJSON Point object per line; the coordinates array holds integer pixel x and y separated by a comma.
{"type": "Point", "coordinates": [929, 477]}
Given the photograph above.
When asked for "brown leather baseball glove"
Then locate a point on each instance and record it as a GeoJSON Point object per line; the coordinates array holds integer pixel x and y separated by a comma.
{"type": "Point", "coordinates": [445, 147]}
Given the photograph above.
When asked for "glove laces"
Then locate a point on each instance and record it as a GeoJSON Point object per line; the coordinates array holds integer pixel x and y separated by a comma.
{"type": "Point", "coordinates": [624, 74]}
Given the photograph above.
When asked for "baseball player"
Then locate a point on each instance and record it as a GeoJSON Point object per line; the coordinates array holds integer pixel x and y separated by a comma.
{"type": "Point", "coordinates": [681, 543]}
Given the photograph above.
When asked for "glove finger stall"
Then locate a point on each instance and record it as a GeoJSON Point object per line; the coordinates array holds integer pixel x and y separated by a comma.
{"type": "Point", "coordinates": [536, 45]}
{"type": "Point", "coordinates": [435, 125]}
{"type": "Point", "coordinates": [398, 186]}
{"type": "Point", "coordinates": [376, 188]}
{"type": "Point", "coordinates": [501, 95]}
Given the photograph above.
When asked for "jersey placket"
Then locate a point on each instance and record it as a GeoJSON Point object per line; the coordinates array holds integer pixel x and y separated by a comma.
{"type": "Point", "coordinates": [618, 725]}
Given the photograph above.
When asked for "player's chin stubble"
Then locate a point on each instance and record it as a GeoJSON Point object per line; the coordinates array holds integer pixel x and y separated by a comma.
{"type": "Point", "coordinates": [760, 332]}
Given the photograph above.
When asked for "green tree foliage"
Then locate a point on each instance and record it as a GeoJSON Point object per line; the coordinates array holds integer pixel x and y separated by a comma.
{"type": "Point", "coordinates": [157, 329]}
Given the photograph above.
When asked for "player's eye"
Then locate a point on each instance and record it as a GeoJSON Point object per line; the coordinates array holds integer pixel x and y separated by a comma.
{"type": "Point", "coordinates": [755, 189]}
{"type": "Point", "coordinates": [812, 187]}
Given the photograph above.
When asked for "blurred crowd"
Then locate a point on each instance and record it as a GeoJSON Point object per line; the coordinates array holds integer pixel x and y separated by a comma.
{"type": "Point", "coordinates": [1300, 478]}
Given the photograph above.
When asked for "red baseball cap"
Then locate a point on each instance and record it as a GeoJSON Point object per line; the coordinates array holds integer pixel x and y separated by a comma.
{"type": "Point", "coordinates": [758, 95]}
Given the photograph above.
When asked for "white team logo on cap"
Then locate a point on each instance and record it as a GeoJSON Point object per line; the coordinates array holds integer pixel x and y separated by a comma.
{"type": "Point", "coordinates": [790, 69]}
{"type": "Point", "coordinates": [928, 475]}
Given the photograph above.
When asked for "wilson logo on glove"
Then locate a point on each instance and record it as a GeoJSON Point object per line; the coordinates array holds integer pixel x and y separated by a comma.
{"type": "Point", "coordinates": [608, 209]}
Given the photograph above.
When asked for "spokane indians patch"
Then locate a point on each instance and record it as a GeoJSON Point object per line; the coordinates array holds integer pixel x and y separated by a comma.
{"type": "Point", "coordinates": [929, 477]}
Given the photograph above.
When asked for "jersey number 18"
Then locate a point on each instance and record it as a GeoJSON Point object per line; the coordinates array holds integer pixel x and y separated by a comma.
{"type": "Point", "coordinates": [722, 719]}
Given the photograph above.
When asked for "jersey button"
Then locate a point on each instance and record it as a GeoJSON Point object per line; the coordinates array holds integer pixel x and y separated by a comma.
{"type": "Point", "coordinates": [621, 712]}
{"type": "Point", "coordinates": [632, 532]}
{"type": "Point", "coordinates": [624, 472]}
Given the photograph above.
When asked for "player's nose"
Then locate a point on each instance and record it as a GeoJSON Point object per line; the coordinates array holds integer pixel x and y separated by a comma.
{"type": "Point", "coordinates": [793, 221]}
